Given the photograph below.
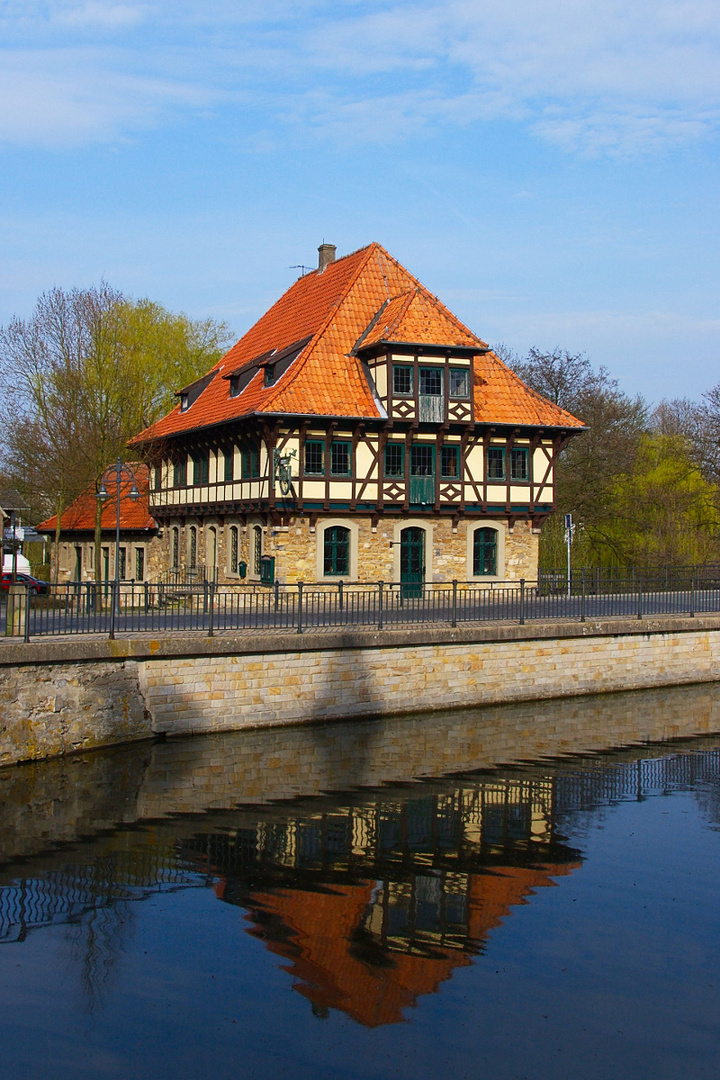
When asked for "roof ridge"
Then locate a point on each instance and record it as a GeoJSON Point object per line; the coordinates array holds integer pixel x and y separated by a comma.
{"type": "Point", "coordinates": [284, 384]}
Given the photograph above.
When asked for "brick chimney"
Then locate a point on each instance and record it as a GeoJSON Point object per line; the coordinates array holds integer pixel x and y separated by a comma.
{"type": "Point", "coordinates": [326, 255]}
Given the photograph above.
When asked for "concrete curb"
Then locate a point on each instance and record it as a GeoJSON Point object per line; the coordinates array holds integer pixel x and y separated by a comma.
{"type": "Point", "coordinates": [260, 643]}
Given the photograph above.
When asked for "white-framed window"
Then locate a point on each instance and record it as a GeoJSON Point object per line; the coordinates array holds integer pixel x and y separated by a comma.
{"type": "Point", "coordinates": [485, 551]}
{"type": "Point", "coordinates": [233, 549]}
{"type": "Point", "coordinates": [337, 547]}
{"type": "Point", "coordinates": [256, 549]}
{"type": "Point", "coordinates": [192, 546]}
{"type": "Point", "coordinates": [211, 547]}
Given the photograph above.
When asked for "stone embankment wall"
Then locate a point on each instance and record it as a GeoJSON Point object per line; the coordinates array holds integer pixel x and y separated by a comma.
{"type": "Point", "coordinates": [57, 697]}
{"type": "Point", "coordinates": [59, 802]}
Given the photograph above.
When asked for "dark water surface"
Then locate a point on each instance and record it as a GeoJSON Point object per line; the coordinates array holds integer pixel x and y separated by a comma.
{"type": "Point", "coordinates": [383, 899]}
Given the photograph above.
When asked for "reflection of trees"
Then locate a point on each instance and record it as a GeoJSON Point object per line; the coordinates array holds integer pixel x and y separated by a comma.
{"type": "Point", "coordinates": [97, 939]}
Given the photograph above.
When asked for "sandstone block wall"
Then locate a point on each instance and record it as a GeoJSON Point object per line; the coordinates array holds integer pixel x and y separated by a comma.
{"type": "Point", "coordinates": [48, 710]}
{"type": "Point", "coordinates": [295, 548]}
{"type": "Point", "coordinates": [191, 694]}
{"type": "Point", "coordinates": [84, 694]}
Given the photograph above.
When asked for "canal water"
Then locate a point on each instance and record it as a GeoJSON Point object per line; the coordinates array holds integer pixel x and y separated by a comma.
{"type": "Point", "coordinates": [524, 892]}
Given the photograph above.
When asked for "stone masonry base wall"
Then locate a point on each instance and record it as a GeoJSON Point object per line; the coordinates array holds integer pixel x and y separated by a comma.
{"type": "Point", "coordinates": [228, 693]}
{"type": "Point", "coordinates": [78, 701]}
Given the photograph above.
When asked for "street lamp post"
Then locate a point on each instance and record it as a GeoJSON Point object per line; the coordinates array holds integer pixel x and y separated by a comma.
{"type": "Point", "coordinates": [116, 474]}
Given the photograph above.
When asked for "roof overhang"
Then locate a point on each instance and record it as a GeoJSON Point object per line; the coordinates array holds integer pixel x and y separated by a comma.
{"type": "Point", "coordinates": [420, 348]}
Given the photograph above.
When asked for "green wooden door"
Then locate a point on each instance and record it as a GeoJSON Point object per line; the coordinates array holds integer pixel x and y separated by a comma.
{"type": "Point", "coordinates": [422, 474]}
{"type": "Point", "coordinates": [412, 561]}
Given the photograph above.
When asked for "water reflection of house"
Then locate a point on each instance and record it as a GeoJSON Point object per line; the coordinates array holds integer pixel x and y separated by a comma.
{"type": "Point", "coordinates": [375, 905]}
{"type": "Point", "coordinates": [372, 949]}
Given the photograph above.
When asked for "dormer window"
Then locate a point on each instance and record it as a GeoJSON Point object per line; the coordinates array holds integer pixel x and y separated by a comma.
{"type": "Point", "coordinates": [234, 385]}
{"type": "Point", "coordinates": [403, 380]}
{"type": "Point", "coordinates": [459, 383]}
{"type": "Point", "coordinates": [269, 374]}
{"type": "Point", "coordinates": [184, 402]}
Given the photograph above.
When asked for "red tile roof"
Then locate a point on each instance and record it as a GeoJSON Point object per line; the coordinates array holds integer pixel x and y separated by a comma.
{"type": "Point", "coordinates": [134, 513]}
{"type": "Point", "coordinates": [363, 297]}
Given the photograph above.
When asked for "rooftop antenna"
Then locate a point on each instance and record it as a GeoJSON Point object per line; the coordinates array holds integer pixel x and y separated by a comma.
{"type": "Point", "coordinates": [303, 269]}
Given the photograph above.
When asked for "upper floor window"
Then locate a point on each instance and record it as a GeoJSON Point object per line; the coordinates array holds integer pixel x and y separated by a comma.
{"type": "Point", "coordinates": [314, 457]}
{"type": "Point", "coordinates": [394, 459]}
{"type": "Point", "coordinates": [450, 461]}
{"type": "Point", "coordinates": [201, 468]}
{"type": "Point", "coordinates": [234, 385]}
{"type": "Point", "coordinates": [251, 461]}
{"type": "Point", "coordinates": [459, 383]}
{"type": "Point", "coordinates": [229, 455]}
{"type": "Point", "coordinates": [431, 382]}
{"type": "Point", "coordinates": [180, 473]}
{"type": "Point", "coordinates": [403, 380]}
{"type": "Point", "coordinates": [269, 374]}
{"type": "Point", "coordinates": [184, 402]}
{"type": "Point", "coordinates": [157, 477]}
{"type": "Point", "coordinates": [495, 463]}
{"type": "Point", "coordinates": [340, 459]}
{"type": "Point", "coordinates": [519, 463]}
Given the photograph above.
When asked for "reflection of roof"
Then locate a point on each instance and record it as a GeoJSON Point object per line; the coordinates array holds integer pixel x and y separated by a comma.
{"type": "Point", "coordinates": [358, 301]}
{"type": "Point", "coordinates": [318, 933]}
{"type": "Point", "coordinates": [134, 513]}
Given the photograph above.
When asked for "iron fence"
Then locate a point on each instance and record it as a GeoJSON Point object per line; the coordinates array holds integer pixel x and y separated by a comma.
{"type": "Point", "coordinates": [597, 578]}
{"type": "Point", "coordinates": [208, 607]}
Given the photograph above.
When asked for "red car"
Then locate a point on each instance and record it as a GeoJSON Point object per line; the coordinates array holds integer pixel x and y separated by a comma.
{"type": "Point", "coordinates": [37, 587]}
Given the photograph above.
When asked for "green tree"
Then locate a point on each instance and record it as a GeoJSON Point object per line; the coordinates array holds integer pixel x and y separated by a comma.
{"type": "Point", "coordinates": [665, 511]}
{"type": "Point", "coordinates": [89, 369]}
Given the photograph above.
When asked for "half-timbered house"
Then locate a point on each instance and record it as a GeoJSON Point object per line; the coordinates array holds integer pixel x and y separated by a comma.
{"type": "Point", "coordinates": [357, 431]}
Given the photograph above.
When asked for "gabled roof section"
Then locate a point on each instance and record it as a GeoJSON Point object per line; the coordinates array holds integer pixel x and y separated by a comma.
{"type": "Point", "coordinates": [135, 514]}
{"type": "Point", "coordinates": [357, 301]}
{"type": "Point", "coordinates": [418, 317]}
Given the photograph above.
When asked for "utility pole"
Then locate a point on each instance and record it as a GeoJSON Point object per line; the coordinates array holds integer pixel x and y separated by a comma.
{"type": "Point", "coordinates": [569, 536]}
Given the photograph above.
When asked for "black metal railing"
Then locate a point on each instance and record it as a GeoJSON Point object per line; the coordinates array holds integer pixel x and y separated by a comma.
{"type": "Point", "coordinates": [210, 608]}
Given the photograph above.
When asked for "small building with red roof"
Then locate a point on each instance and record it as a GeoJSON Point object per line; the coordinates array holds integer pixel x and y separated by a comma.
{"type": "Point", "coordinates": [360, 432]}
{"type": "Point", "coordinates": [140, 549]}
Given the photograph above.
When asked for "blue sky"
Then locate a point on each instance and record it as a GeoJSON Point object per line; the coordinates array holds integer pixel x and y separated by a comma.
{"type": "Point", "coordinates": [549, 169]}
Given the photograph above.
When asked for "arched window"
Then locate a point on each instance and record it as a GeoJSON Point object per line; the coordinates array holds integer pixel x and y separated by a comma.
{"type": "Point", "coordinates": [192, 546]}
{"type": "Point", "coordinates": [336, 551]}
{"type": "Point", "coordinates": [256, 549]}
{"type": "Point", "coordinates": [211, 547]}
{"type": "Point", "coordinates": [175, 547]}
{"type": "Point", "coordinates": [485, 553]}
{"type": "Point", "coordinates": [234, 549]}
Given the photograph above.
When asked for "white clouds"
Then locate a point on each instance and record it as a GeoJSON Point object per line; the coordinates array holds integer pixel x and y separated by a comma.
{"type": "Point", "coordinates": [73, 99]}
{"type": "Point", "coordinates": [101, 16]}
{"type": "Point", "coordinates": [591, 76]}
